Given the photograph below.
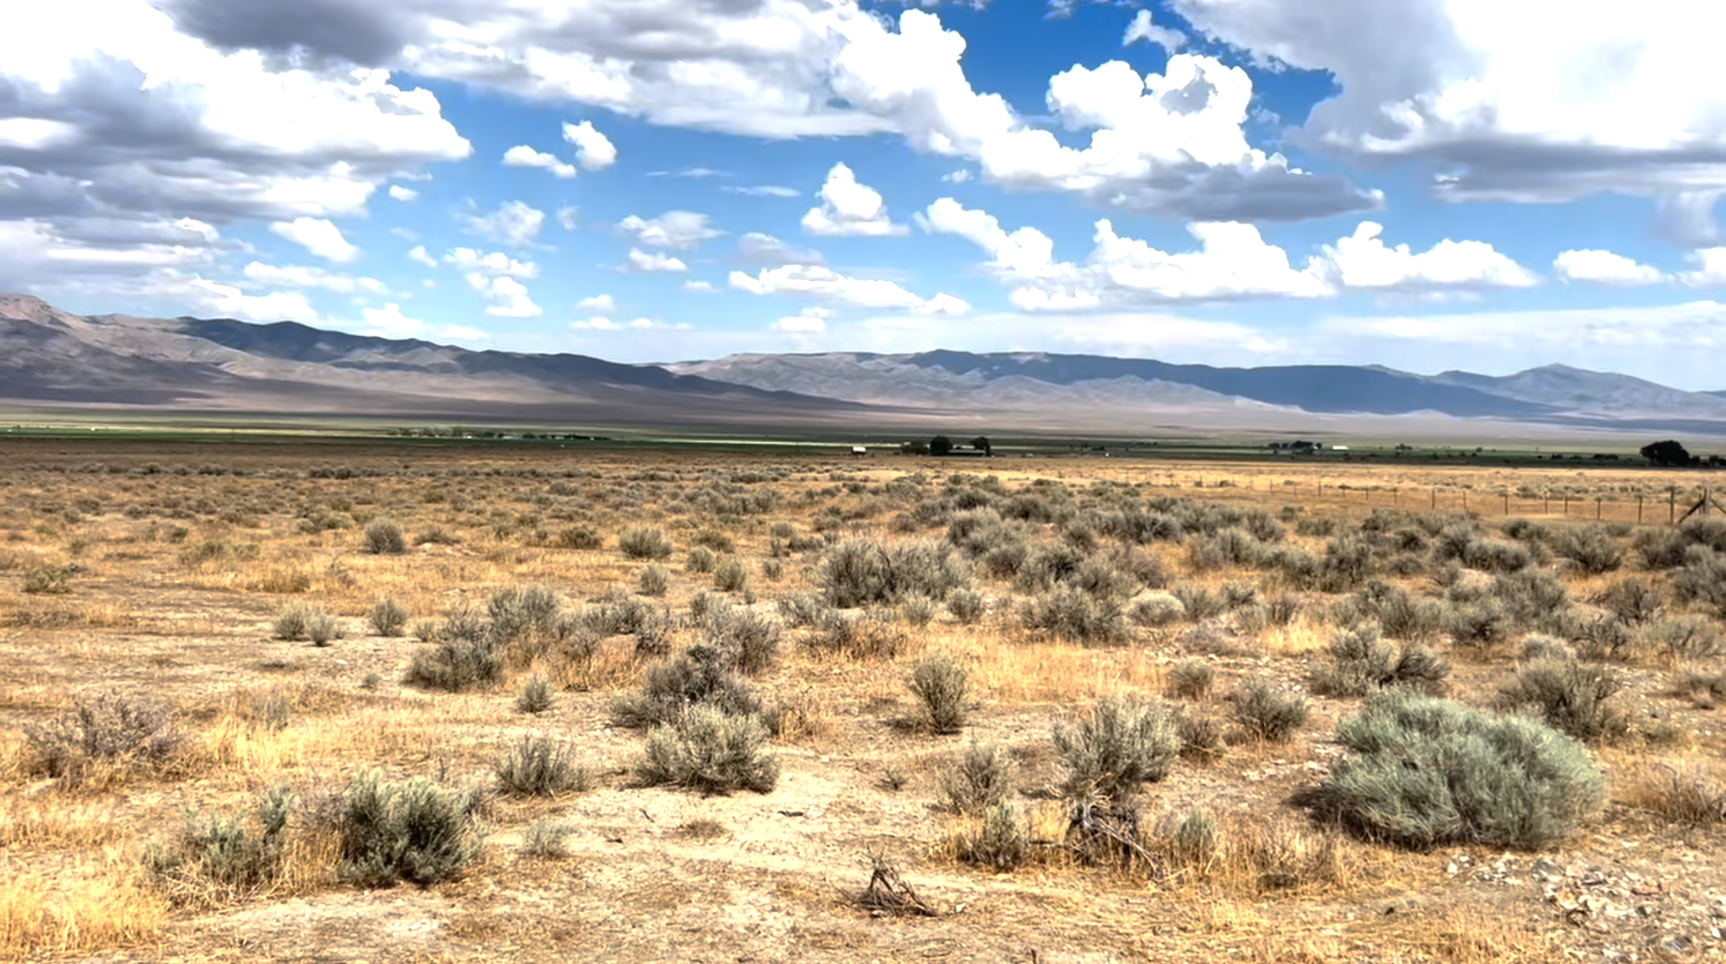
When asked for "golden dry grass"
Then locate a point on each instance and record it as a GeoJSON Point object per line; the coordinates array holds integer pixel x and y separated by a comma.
{"type": "Point", "coordinates": [178, 578]}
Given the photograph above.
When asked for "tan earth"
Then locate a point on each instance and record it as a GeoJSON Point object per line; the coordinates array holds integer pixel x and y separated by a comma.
{"type": "Point", "coordinates": [158, 570]}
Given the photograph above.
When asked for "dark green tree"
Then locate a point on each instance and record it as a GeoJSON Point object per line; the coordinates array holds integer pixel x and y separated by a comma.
{"type": "Point", "coordinates": [981, 444]}
{"type": "Point", "coordinates": [940, 445]}
{"type": "Point", "coordinates": [1666, 453]}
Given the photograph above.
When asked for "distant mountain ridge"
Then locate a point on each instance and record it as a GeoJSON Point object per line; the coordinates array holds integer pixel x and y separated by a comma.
{"type": "Point", "coordinates": [1555, 391]}
{"type": "Point", "coordinates": [51, 357]}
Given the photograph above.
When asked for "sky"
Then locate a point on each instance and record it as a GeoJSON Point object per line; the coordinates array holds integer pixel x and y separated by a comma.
{"type": "Point", "coordinates": [1487, 185]}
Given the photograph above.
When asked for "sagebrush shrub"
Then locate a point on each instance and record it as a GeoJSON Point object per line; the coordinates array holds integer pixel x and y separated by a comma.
{"type": "Point", "coordinates": [517, 611]}
{"type": "Point", "coordinates": [110, 727]}
{"type": "Point", "coordinates": [580, 537]}
{"type": "Point", "coordinates": [999, 842]}
{"type": "Point", "coordinates": [1683, 637]}
{"type": "Point", "coordinates": [323, 628]}
{"type": "Point", "coordinates": [706, 749]}
{"type": "Point", "coordinates": [292, 620]}
{"type": "Point", "coordinates": [730, 576]}
{"type": "Point", "coordinates": [700, 560]}
{"type": "Point", "coordinates": [1157, 609]}
{"type": "Point", "coordinates": [967, 606]}
{"type": "Point", "coordinates": [862, 572]}
{"type": "Point", "coordinates": [464, 656]}
{"type": "Point", "coordinates": [537, 766]}
{"type": "Point", "coordinates": [388, 617]}
{"type": "Point", "coordinates": [385, 538]}
{"type": "Point", "coordinates": [644, 542]}
{"type": "Point", "coordinates": [546, 837]}
{"type": "Point", "coordinates": [1479, 625]}
{"type": "Point", "coordinates": [917, 611]}
{"type": "Point", "coordinates": [1573, 697]}
{"type": "Point", "coordinates": [1190, 679]}
{"type": "Point", "coordinates": [982, 776]}
{"type": "Point", "coordinates": [700, 676]}
{"type": "Point", "coordinates": [1198, 602]}
{"type": "Point", "coordinates": [941, 681]}
{"type": "Point", "coordinates": [1428, 771]}
{"type": "Point", "coordinates": [1067, 612]}
{"type": "Point", "coordinates": [1362, 660]}
{"type": "Point", "coordinates": [536, 695]}
{"type": "Point", "coordinates": [747, 640]}
{"type": "Point", "coordinates": [222, 858]}
{"type": "Point", "coordinates": [416, 831]}
{"type": "Point", "coordinates": [1592, 549]}
{"type": "Point", "coordinates": [47, 580]}
{"type": "Point", "coordinates": [1124, 741]}
{"type": "Point", "coordinates": [1265, 712]}
{"type": "Point", "coordinates": [654, 581]}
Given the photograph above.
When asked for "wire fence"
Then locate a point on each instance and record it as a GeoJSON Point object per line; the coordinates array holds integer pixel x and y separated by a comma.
{"type": "Point", "coordinates": [1669, 506]}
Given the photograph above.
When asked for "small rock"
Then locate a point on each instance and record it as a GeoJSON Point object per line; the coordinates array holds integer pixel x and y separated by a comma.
{"type": "Point", "coordinates": [1547, 868]}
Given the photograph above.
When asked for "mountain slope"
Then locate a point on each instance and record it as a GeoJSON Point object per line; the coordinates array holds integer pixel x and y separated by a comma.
{"type": "Point", "coordinates": [1602, 393]}
{"type": "Point", "coordinates": [47, 355]}
{"type": "Point", "coordinates": [949, 376]}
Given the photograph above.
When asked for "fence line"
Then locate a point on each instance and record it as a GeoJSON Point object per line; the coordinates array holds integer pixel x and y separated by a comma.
{"type": "Point", "coordinates": [1670, 507]}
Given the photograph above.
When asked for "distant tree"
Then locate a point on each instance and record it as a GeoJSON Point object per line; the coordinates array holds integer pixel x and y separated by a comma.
{"type": "Point", "coordinates": [1666, 453]}
{"type": "Point", "coordinates": [981, 444]}
{"type": "Point", "coordinates": [914, 448]}
{"type": "Point", "coordinates": [940, 445]}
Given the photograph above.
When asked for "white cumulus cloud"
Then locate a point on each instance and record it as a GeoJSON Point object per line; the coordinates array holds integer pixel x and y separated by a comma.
{"type": "Point", "coordinates": [1143, 29]}
{"type": "Point", "coordinates": [1512, 100]}
{"type": "Point", "coordinates": [494, 264]}
{"type": "Point", "coordinates": [593, 150]}
{"type": "Point", "coordinates": [1364, 261]}
{"type": "Point", "coordinates": [826, 285]}
{"type": "Point", "coordinates": [655, 261]}
{"type": "Point", "coordinates": [673, 229]}
{"type": "Point", "coordinates": [515, 223]}
{"type": "Point", "coordinates": [505, 297]}
{"type": "Point", "coordinates": [319, 236]}
{"type": "Point", "coordinates": [1604, 267]}
{"type": "Point", "coordinates": [522, 155]}
{"type": "Point", "coordinates": [850, 209]}
{"type": "Point", "coordinates": [297, 276]}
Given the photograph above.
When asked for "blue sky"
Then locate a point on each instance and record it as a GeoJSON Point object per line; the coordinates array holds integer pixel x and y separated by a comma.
{"type": "Point", "coordinates": [1426, 184]}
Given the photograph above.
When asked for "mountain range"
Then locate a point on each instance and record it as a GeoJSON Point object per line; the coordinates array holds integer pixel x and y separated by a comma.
{"type": "Point", "coordinates": [53, 358]}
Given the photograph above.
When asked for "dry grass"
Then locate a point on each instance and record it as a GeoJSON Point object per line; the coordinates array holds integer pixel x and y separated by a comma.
{"type": "Point", "coordinates": [181, 576]}
{"type": "Point", "coordinates": [99, 904]}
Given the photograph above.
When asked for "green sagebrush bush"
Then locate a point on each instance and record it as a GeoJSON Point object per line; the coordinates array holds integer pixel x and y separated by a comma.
{"type": "Point", "coordinates": [1122, 742]}
{"type": "Point", "coordinates": [709, 750]}
{"type": "Point", "coordinates": [862, 572]}
{"type": "Point", "coordinates": [1362, 660]}
{"type": "Point", "coordinates": [220, 858]}
{"type": "Point", "coordinates": [1427, 771]}
{"type": "Point", "coordinates": [416, 831]}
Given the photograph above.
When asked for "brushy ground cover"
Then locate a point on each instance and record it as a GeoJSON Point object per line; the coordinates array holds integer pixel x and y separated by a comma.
{"type": "Point", "coordinates": [250, 690]}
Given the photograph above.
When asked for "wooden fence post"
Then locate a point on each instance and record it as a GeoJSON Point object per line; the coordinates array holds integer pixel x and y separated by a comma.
{"type": "Point", "coordinates": [1639, 509]}
{"type": "Point", "coordinates": [1507, 503]}
{"type": "Point", "coordinates": [1597, 508]}
{"type": "Point", "coordinates": [1672, 505]}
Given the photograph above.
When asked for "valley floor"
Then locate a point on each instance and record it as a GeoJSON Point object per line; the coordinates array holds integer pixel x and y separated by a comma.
{"type": "Point", "coordinates": [160, 578]}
